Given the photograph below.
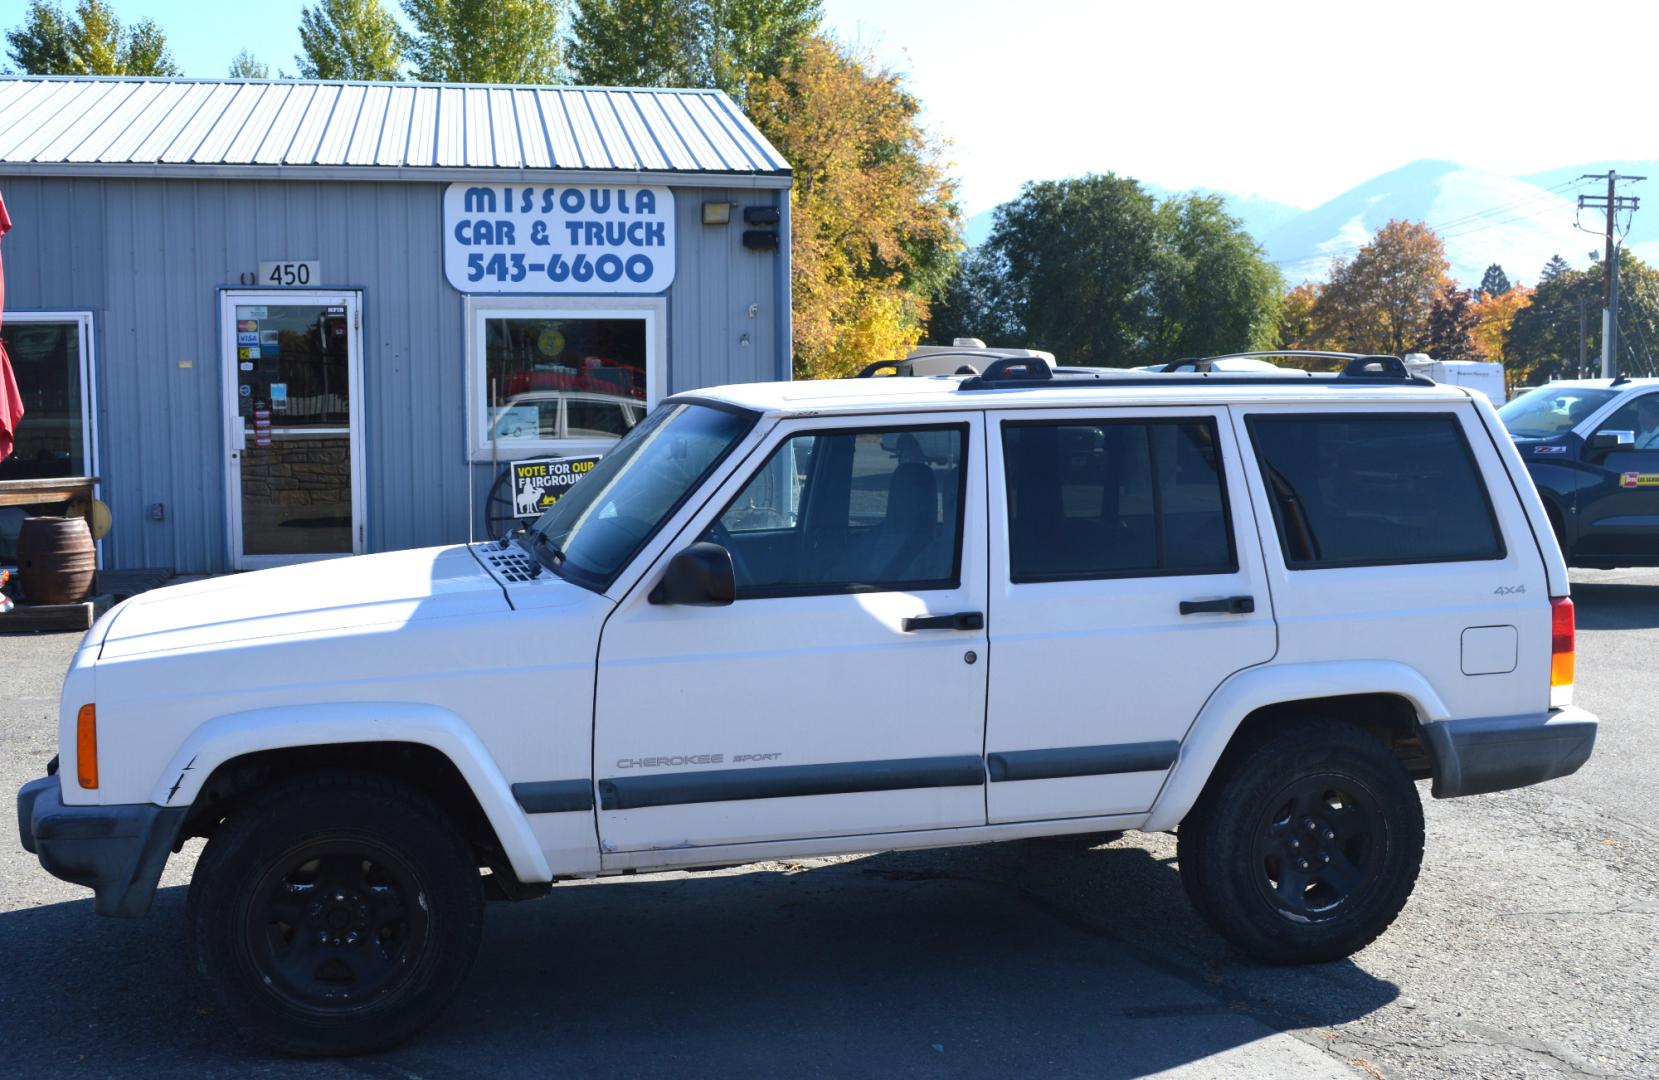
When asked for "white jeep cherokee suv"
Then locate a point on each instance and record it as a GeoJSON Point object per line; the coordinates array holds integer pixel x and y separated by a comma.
{"type": "Point", "coordinates": [803, 618]}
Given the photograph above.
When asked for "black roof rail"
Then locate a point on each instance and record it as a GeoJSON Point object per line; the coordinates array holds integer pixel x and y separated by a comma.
{"type": "Point", "coordinates": [900, 367]}
{"type": "Point", "coordinates": [1359, 372]}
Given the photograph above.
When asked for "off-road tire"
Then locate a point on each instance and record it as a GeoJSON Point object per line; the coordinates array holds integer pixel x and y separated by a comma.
{"type": "Point", "coordinates": [1233, 848]}
{"type": "Point", "coordinates": [369, 827]}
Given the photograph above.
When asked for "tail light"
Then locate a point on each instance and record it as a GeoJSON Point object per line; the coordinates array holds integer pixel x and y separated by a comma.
{"type": "Point", "coordinates": [1562, 651]}
{"type": "Point", "coordinates": [86, 746]}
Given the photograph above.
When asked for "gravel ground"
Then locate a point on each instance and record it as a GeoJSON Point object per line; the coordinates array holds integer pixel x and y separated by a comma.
{"type": "Point", "coordinates": [1528, 949]}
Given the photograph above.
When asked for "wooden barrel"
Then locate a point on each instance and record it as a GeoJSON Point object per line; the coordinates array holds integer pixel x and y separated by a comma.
{"type": "Point", "coordinates": [55, 559]}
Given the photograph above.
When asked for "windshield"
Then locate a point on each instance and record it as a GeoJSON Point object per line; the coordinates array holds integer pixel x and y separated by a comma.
{"type": "Point", "coordinates": [1552, 410]}
{"type": "Point", "coordinates": [592, 532]}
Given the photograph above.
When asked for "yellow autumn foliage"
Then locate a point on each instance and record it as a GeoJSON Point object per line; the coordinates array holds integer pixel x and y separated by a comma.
{"type": "Point", "coordinates": [870, 198]}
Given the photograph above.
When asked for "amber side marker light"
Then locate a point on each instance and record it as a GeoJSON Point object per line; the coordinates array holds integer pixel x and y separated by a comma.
{"type": "Point", "coordinates": [86, 746]}
{"type": "Point", "coordinates": [1562, 644]}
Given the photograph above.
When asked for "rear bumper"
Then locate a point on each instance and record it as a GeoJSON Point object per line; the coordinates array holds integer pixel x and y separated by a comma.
{"type": "Point", "coordinates": [117, 851]}
{"type": "Point", "coordinates": [1495, 753]}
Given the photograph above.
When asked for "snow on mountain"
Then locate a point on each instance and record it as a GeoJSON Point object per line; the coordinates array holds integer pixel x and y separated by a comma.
{"type": "Point", "coordinates": [1482, 217]}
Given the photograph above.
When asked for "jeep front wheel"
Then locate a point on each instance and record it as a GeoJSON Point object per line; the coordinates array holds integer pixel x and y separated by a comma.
{"type": "Point", "coordinates": [335, 913]}
{"type": "Point", "coordinates": [1305, 845]}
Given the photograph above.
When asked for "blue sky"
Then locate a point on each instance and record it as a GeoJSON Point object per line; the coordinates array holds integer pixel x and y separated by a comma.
{"type": "Point", "coordinates": [1294, 100]}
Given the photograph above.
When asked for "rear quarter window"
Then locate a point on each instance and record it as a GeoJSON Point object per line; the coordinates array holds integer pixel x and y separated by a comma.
{"type": "Point", "coordinates": [1373, 489]}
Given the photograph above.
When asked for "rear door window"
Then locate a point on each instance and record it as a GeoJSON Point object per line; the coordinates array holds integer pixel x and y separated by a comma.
{"type": "Point", "coordinates": [1372, 489]}
{"type": "Point", "coordinates": [1111, 498]}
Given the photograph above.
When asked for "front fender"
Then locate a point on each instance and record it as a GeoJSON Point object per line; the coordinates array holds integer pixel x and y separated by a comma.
{"type": "Point", "coordinates": [236, 734]}
{"type": "Point", "coordinates": [1258, 687]}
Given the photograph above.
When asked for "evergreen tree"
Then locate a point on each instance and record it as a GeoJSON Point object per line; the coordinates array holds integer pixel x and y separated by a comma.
{"type": "Point", "coordinates": [350, 39]}
{"type": "Point", "coordinates": [1494, 282]}
{"type": "Point", "coordinates": [1554, 269]}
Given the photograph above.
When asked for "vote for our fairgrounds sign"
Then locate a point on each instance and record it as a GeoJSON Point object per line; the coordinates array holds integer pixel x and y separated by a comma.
{"type": "Point", "coordinates": [547, 239]}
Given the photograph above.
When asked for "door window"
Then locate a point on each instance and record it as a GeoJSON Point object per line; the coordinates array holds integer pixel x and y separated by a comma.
{"type": "Point", "coordinates": [850, 511]}
{"type": "Point", "coordinates": [293, 378]}
{"type": "Point", "coordinates": [1639, 415]}
{"type": "Point", "coordinates": [1100, 499]}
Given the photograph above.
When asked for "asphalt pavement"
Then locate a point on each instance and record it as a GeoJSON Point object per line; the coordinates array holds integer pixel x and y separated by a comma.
{"type": "Point", "coordinates": [1528, 950]}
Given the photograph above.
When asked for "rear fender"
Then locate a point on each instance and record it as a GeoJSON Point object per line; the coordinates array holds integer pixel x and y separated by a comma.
{"type": "Point", "coordinates": [1256, 688]}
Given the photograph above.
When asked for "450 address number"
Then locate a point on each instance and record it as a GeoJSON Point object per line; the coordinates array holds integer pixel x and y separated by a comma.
{"type": "Point", "coordinates": [514, 268]}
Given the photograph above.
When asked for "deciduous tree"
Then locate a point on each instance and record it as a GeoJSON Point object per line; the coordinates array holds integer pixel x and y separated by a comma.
{"type": "Point", "coordinates": [1493, 316]}
{"type": "Point", "coordinates": [1297, 329]}
{"type": "Point", "coordinates": [1451, 326]}
{"type": "Point", "coordinates": [42, 45]}
{"type": "Point", "coordinates": [1213, 290]}
{"type": "Point", "coordinates": [350, 39]}
{"type": "Point", "coordinates": [722, 43]}
{"type": "Point", "coordinates": [1379, 301]}
{"type": "Point", "coordinates": [485, 41]}
{"type": "Point", "coordinates": [247, 66]}
{"type": "Point", "coordinates": [91, 42]}
{"type": "Point", "coordinates": [1543, 338]}
{"type": "Point", "coordinates": [872, 207]}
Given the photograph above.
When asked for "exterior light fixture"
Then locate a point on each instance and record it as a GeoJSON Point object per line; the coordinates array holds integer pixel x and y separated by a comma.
{"type": "Point", "coordinates": [717, 213]}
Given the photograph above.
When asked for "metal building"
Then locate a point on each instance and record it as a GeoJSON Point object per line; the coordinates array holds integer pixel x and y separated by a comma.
{"type": "Point", "coordinates": [284, 320]}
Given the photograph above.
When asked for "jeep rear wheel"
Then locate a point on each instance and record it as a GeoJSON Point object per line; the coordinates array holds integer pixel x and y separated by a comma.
{"type": "Point", "coordinates": [1306, 844]}
{"type": "Point", "coordinates": [335, 913]}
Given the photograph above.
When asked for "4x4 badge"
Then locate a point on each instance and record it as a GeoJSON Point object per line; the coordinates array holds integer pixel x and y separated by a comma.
{"type": "Point", "coordinates": [1509, 590]}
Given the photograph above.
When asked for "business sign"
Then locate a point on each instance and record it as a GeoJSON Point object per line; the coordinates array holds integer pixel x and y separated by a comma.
{"type": "Point", "coordinates": [598, 240]}
{"type": "Point", "coordinates": [291, 273]}
{"type": "Point", "coordinates": [539, 484]}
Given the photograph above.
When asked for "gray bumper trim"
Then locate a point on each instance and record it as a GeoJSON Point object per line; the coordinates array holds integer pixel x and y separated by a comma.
{"type": "Point", "coordinates": [117, 851]}
{"type": "Point", "coordinates": [1495, 753]}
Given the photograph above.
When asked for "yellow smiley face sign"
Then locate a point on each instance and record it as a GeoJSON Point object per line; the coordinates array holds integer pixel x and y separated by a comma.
{"type": "Point", "coordinates": [550, 342]}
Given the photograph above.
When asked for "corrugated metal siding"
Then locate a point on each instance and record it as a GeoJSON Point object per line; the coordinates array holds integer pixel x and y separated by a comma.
{"type": "Point", "coordinates": [137, 122]}
{"type": "Point", "coordinates": [148, 258]}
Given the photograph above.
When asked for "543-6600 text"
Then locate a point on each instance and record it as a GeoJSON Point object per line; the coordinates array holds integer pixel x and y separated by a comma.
{"type": "Point", "coordinates": [514, 267]}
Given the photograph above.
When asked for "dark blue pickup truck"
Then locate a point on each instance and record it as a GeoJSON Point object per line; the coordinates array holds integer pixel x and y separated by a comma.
{"type": "Point", "coordinates": [1592, 446]}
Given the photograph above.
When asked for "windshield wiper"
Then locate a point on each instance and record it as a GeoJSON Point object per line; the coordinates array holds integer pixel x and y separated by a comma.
{"type": "Point", "coordinates": [554, 555]}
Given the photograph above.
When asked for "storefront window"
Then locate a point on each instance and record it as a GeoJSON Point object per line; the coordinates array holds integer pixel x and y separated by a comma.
{"type": "Point", "coordinates": [560, 380]}
{"type": "Point", "coordinates": [48, 356]}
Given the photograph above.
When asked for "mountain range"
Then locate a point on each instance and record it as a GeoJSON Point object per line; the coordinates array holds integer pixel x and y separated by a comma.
{"type": "Point", "coordinates": [1483, 217]}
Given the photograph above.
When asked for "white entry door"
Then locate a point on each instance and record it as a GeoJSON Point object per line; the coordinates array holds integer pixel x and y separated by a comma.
{"type": "Point", "coordinates": [293, 369]}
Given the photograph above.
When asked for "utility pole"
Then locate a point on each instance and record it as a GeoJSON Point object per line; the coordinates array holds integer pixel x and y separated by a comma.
{"type": "Point", "coordinates": [1612, 204]}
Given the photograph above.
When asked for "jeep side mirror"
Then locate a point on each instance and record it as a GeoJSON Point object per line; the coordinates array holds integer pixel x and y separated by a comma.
{"type": "Point", "coordinates": [700, 576]}
{"type": "Point", "coordinates": [1613, 440]}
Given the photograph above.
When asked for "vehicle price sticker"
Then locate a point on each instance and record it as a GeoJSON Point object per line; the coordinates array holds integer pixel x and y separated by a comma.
{"type": "Point", "coordinates": [540, 483]}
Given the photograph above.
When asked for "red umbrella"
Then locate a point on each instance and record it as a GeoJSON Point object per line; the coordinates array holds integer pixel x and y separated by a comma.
{"type": "Point", "coordinates": [11, 400]}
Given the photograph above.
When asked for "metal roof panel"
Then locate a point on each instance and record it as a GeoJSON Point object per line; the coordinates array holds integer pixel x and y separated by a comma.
{"type": "Point", "coordinates": [264, 125]}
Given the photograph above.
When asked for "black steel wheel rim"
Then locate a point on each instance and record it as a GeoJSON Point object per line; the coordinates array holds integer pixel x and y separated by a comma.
{"type": "Point", "coordinates": [1318, 848]}
{"type": "Point", "coordinates": [336, 925]}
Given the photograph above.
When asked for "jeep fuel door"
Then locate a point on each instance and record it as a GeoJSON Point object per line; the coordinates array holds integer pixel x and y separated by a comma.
{"type": "Point", "coordinates": [1126, 585]}
{"type": "Point", "coordinates": [842, 692]}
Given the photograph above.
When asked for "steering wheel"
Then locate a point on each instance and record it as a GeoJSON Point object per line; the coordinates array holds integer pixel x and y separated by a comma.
{"type": "Point", "coordinates": [740, 567]}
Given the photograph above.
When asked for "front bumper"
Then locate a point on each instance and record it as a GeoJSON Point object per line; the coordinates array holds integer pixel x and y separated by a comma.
{"type": "Point", "coordinates": [117, 851]}
{"type": "Point", "coordinates": [1495, 753]}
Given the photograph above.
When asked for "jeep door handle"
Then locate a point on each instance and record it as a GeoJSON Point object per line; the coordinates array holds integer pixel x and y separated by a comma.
{"type": "Point", "coordinates": [1231, 605]}
{"type": "Point", "coordinates": [962, 620]}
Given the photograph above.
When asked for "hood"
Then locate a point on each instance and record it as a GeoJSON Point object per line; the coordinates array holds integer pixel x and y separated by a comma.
{"type": "Point", "coordinates": [311, 598]}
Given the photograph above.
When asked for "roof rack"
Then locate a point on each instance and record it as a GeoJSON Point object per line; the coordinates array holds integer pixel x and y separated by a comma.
{"type": "Point", "coordinates": [907, 366]}
{"type": "Point", "coordinates": [1358, 370]}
